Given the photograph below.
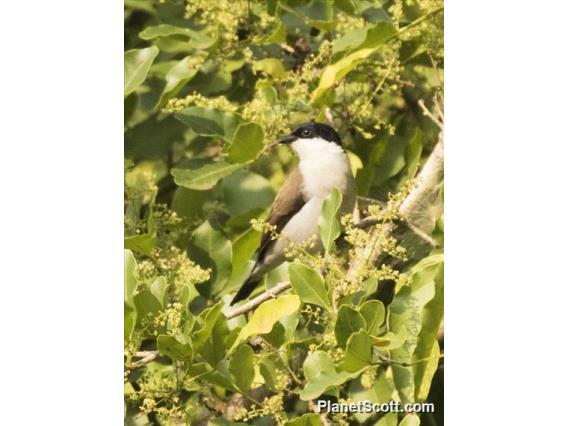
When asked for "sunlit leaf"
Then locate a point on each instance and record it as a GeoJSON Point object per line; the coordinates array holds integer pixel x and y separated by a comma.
{"type": "Point", "coordinates": [196, 39]}
{"type": "Point", "coordinates": [137, 63]}
{"type": "Point", "coordinates": [246, 144]}
{"type": "Point", "coordinates": [266, 315]}
{"type": "Point", "coordinates": [309, 419]}
{"type": "Point", "coordinates": [358, 352]}
{"type": "Point", "coordinates": [178, 76]}
{"type": "Point", "coordinates": [328, 225]}
{"type": "Point", "coordinates": [271, 66]}
{"type": "Point", "coordinates": [321, 375]}
{"type": "Point", "coordinates": [374, 313]}
{"type": "Point", "coordinates": [309, 285]}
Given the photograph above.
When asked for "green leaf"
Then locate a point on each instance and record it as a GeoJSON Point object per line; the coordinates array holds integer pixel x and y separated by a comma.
{"type": "Point", "coordinates": [390, 419]}
{"type": "Point", "coordinates": [335, 72]}
{"type": "Point", "coordinates": [374, 313]}
{"type": "Point", "coordinates": [197, 39]}
{"type": "Point", "coordinates": [179, 75]}
{"type": "Point", "coordinates": [142, 244]}
{"type": "Point", "coordinates": [277, 36]}
{"type": "Point", "coordinates": [406, 311]}
{"type": "Point", "coordinates": [358, 354]}
{"type": "Point", "coordinates": [158, 289]}
{"type": "Point", "coordinates": [209, 248]}
{"type": "Point", "coordinates": [208, 318]}
{"type": "Point", "coordinates": [203, 174]}
{"type": "Point", "coordinates": [309, 285]}
{"type": "Point", "coordinates": [360, 49]}
{"type": "Point", "coordinates": [247, 143]}
{"type": "Point", "coordinates": [244, 191]}
{"type": "Point", "coordinates": [271, 66]}
{"type": "Point", "coordinates": [214, 348]}
{"type": "Point", "coordinates": [309, 419]}
{"type": "Point", "coordinates": [321, 375]}
{"type": "Point", "coordinates": [243, 250]}
{"type": "Point", "coordinates": [137, 63]}
{"type": "Point", "coordinates": [349, 321]}
{"type": "Point", "coordinates": [223, 422]}
{"type": "Point", "coordinates": [146, 304]}
{"type": "Point", "coordinates": [412, 155]}
{"type": "Point", "coordinates": [427, 343]}
{"type": "Point", "coordinates": [389, 340]}
{"type": "Point", "coordinates": [266, 315]}
{"type": "Point", "coordinates": [130, 284]}
{"type": "Point", "coordinates": [353, 38]}
{"type": "Point", "coordinates": [410, 420]}
{"type": "Point", "coordinates": [328, 225]}
{"type": "Point", "coordinates": [378, 35]}
{"type": "Point", "coordinates": [241, 366]}
{"type": "Point", "coordinates": [130, 281]}
{"type": "Point", "coordinates": [209, 122]}
{"type": "Point", "coordinates": [176, 348]}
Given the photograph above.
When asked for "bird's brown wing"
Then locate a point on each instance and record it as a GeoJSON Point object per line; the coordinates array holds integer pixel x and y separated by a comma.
{"type": "Point", "coordinates": [288, 202]}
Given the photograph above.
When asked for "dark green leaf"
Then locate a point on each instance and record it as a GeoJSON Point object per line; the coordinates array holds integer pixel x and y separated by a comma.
{"type": "Point", "coordinates": [244, 191]}
{"type": "Point", "coordinates": [208, 319]}
{"type": "Point", "coordinates": [243, 250]}
{"type": "Point", "coordinates": [211, 250]}
{"type": "Point", "coordinates": [209, 122]}
{"type": "Point", "coordinates": [203, 174]}
{"type": "Point", "coordinates": [176, 348]}
{"type": "Point", "coordinates": [349, 321]}
{"type": "Point", "coordinates": [241, 367]}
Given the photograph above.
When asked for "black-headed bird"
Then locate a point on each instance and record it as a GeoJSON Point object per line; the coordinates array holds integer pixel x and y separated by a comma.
{"type": "Point", "coordinates": [323, 165]}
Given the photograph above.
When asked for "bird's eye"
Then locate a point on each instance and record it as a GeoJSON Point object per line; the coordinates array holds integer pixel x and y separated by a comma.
{"type": "Point", "coordinates": [306, 132]}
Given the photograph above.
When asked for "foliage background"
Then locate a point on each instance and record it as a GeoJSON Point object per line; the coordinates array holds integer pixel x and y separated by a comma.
{"type": "Point", "coordinates": [208, 84]}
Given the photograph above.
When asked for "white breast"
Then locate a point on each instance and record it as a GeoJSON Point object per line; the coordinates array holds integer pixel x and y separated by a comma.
{"type": "Point", "coordinates": [324, 166]}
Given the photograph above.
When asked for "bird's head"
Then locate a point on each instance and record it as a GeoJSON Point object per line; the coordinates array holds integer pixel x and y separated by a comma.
{"type": "Point", "coordinates": [313, 141]}
{"type": "Point", "coordinates": [312, 131]}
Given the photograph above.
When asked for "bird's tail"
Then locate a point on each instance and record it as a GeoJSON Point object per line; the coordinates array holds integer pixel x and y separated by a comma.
{"type": "Point", "coordinates": [246, 289]}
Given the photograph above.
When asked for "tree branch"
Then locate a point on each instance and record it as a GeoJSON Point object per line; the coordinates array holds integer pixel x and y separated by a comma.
{"type": "Point", "coordinates": [146, 357]}
{"type": "Point", "coordinates": [263, 297]}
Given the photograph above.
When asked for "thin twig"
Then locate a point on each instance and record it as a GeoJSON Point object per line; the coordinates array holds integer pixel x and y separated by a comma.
{"type": "Point", "coordinates": [431, 116]}
{"type": "Point", "coordinates": [147, 356]}
{"type": "Point", "coordinates": [250, 305]}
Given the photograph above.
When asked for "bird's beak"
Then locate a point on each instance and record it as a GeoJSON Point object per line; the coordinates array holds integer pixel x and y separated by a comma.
{"type": "Point", "coordinates": [287, 139]}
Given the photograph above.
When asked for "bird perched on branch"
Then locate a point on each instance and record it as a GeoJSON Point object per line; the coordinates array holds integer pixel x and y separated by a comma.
{"type": "Point", "coordinates": [323, 165]}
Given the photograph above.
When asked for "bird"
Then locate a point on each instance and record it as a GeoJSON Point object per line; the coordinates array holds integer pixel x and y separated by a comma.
{"type": "Point", "coordinates": [323, 165]}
